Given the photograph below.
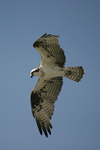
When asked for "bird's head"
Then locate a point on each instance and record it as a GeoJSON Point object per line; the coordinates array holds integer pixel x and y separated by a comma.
{"type": "Point", "coordinates": [34, 72]}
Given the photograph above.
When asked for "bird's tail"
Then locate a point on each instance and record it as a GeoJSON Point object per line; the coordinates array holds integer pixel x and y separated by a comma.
{"type": "Point", "coordinates": [74, 73]}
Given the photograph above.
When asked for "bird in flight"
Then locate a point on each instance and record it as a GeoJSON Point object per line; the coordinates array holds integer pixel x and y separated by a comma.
{"type": "Point", "coordinates": [50, 71]}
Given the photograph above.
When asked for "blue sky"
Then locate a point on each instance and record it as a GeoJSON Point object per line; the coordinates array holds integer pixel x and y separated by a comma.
{"type": "Point", "coordinates": [76, 119]}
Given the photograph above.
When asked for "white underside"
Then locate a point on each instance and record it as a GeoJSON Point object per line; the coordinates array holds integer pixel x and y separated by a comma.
{"type": "Point", "coordinates": [51, 69]}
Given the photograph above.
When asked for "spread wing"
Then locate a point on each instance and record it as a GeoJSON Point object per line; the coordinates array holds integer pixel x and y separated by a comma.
{"type": "Point", "coordinates": [49, 49]}
{"type": "Point", "coordinates": [43, 98]}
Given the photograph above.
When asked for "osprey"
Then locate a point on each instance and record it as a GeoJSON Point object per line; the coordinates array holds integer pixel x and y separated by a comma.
{"type": "Point", "coordinates": [50, 71]}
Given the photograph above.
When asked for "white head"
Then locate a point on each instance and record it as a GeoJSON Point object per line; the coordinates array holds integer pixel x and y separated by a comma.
{"type": "Point", "coordinates": [35, 72]}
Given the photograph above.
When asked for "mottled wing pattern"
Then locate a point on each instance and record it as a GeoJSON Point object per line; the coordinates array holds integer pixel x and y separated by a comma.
{"type": "Point", "coordinates": [42, 102]}
{"type": "Point", "coordinates": [48, 45]}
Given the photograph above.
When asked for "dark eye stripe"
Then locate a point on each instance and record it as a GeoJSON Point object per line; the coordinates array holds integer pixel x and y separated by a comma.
{"type": "Point", "coordinates": [37, 70]}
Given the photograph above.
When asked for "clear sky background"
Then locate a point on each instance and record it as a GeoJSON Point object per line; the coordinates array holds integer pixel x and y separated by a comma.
{"type": "Point", "coordinates": [76, 119]}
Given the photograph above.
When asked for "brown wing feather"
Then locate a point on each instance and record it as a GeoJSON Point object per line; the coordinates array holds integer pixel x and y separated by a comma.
{"type": "Point", "coordinates": [42, 102]}
{"type": "Point", "coordinates": [50, 44]}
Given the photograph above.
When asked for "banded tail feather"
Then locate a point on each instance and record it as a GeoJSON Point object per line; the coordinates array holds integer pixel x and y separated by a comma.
{"type": "Point", "coordinates": [74, 73]}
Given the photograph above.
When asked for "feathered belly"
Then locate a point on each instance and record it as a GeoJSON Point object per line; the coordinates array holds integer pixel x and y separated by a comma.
{"type": "Point", "coordinates": [53, 71]}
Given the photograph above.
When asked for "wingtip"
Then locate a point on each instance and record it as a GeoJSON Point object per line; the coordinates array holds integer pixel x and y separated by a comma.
{"type": "Point", "coordinates": [43, 35]}
{"type": "Point", "coordinates": [46, 35]}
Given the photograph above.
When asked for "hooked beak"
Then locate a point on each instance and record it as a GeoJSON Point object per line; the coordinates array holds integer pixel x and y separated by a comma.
{"type": "Point", "coordinates": [31, 74]}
